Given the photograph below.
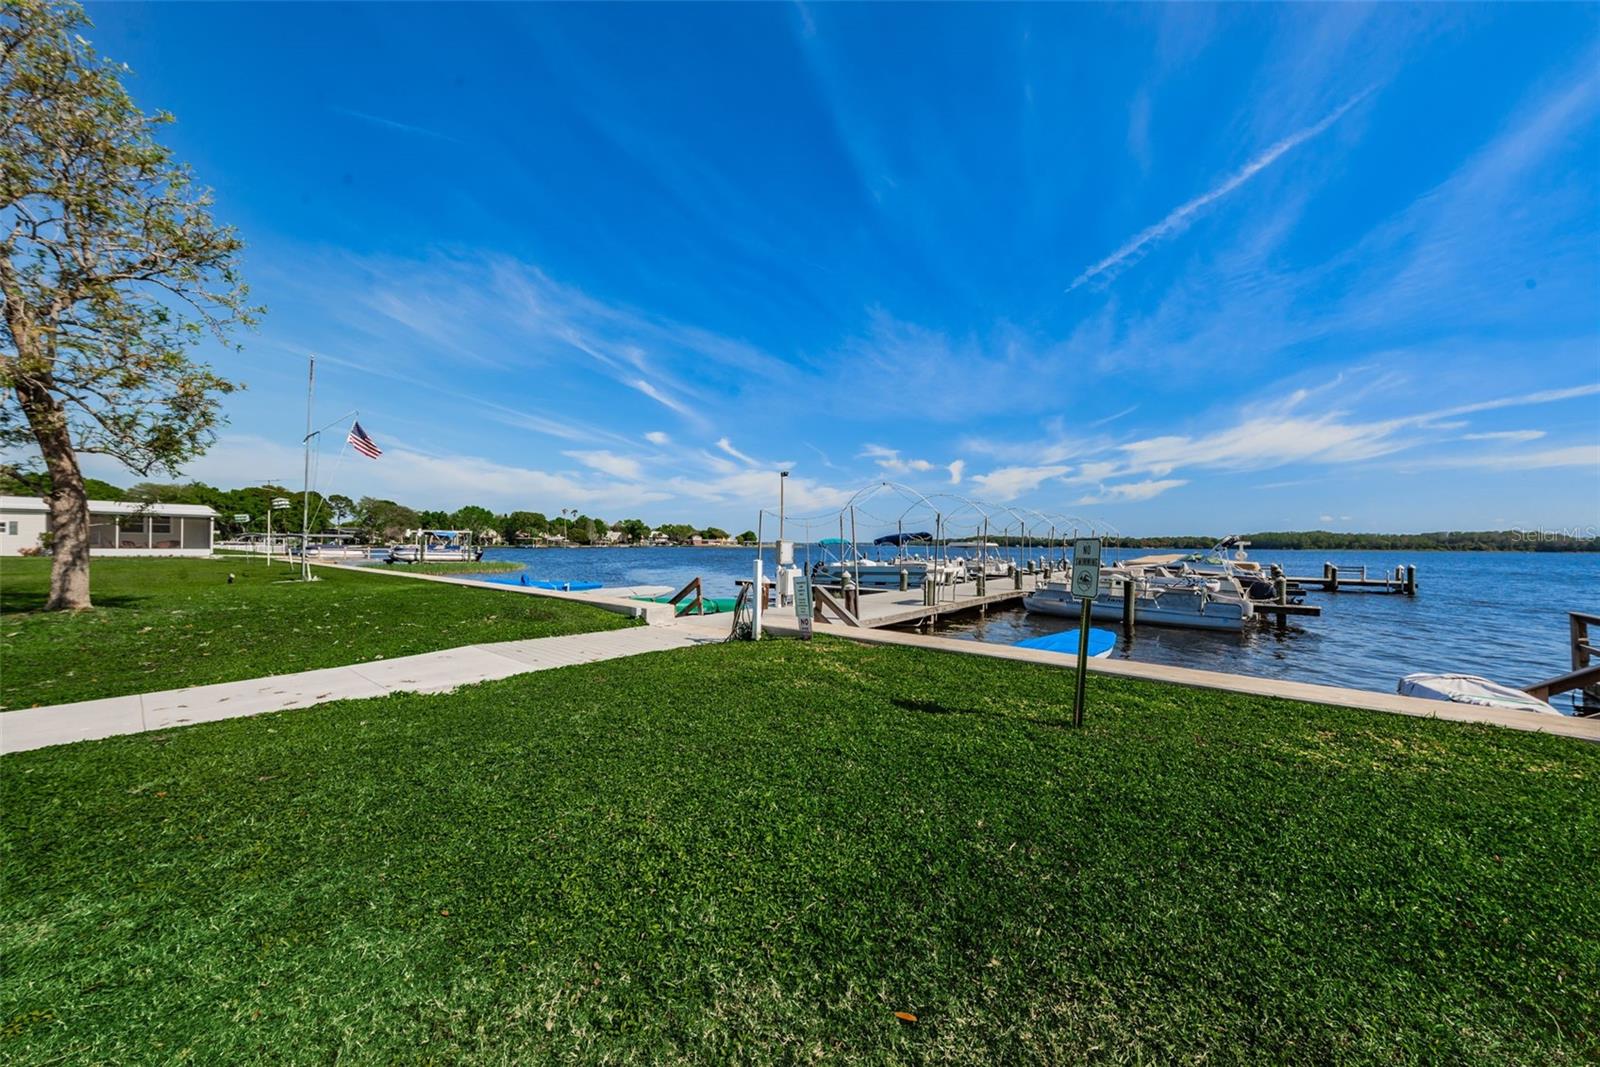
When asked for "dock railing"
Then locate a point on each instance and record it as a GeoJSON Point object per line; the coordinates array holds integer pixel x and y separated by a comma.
{"type": "Point", "coordinates": [1585, 673]}
{"type": "Point", "coordinates": [697, 605]}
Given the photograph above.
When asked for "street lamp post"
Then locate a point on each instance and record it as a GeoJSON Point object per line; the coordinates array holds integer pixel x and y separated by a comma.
{"type": "Point", "coordinates": [783, 479]}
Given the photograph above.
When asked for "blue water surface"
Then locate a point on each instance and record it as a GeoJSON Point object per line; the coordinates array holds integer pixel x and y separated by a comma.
{"type": "Point", "coordinates": [1499, 614]}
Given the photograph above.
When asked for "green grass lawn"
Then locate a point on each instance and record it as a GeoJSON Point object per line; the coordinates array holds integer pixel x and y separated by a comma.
{"type": "Point", "coordinates": [168, 623]}
{"type": "Point", "coordinates": [760, 853]}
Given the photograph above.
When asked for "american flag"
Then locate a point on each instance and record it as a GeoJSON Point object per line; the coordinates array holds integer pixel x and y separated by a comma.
{"type": "Point", "coordinates": [363, 444]}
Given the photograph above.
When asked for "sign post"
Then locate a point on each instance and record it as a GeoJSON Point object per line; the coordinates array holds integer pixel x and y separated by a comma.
{"type": "Point", "coordinates": [278, 504]}
{"type": "Point", "coordinates": [802, 606]}
{"type": "Point", "coordinates": [1085, 586]}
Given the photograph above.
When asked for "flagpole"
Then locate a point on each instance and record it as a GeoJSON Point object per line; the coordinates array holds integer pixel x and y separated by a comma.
{"type": "Point", "coordinates": [305, 494]}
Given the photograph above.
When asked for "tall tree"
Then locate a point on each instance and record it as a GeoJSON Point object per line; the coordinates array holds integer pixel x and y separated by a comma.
{"type": "Point", "coordinates": [111, 267]}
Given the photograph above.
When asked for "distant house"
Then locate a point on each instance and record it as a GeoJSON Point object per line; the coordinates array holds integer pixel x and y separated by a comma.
{"type": "Point", "coordinates": [116, 528]}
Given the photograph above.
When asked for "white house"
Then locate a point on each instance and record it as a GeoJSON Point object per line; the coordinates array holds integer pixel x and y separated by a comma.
{"type": "Point", "coordinates": [116, 528]}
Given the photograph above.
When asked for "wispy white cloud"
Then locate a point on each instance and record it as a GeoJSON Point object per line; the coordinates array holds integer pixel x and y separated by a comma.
{"type": "Point", "coordinates": [608, 463]}
{"type": "Point", "coordinates": [1541, 459]}
{"type": "Point", "coordinates": [955, 468]}
{"type": "Point", "coordinates": [657, 437]}
{"type": "Point", "coordinates": [410, 475]}
{"type": "Point", "coordinates": [890, 460]}
{"type": "Point", "coordinates": [727, 446]}
{"type": "Point", "coordinates": [1180, 217]}
{"type": "Point", "coordinates": [663, 399]}
{"type": "Point", "coordinates": [1508, 436]}
{"type": "Point", "coordinates": [1131, 492]}
{"type": "Point", "coordinates": [393, 124]}
{"type": "Point", "coordinates": [1008, 483]}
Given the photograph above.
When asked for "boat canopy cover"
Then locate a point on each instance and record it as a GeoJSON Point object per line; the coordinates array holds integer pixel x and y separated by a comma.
{"type": "Point", "coordinates": [902, 538]}
{"type": "Point", "coordinates": [833, 542]}
{"type": "Point", "coordinates": [1470, 689]}
{"type": "Point", "coordinates": [1101, 642]}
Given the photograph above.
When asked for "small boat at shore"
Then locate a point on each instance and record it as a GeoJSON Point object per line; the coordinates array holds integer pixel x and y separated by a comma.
{"type": "Point", "coordinates": [1471, 689]}
{"type": "Point", "coordinates": [330, 550]}
{"type": "Point", "coordinates": [437, 546]}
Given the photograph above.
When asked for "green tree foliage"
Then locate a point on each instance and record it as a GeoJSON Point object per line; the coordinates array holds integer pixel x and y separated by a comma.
{"type": "Point", "coordinates": [474, 518]}
{"type": "Point", "coordinates": [384, 520]}
{"type": "Point", "coordinates": [747, 538]}
{"type": "Point", "coordinates": [111, 268]}
{"type": "Point", "coordinates": [714, 533]}
{"type": "Point", "coordinates": [521, 527]}
{"type": "Point", "coordinates": [678, 532]}
{"type": "Point", "coordinates": [340, 508]}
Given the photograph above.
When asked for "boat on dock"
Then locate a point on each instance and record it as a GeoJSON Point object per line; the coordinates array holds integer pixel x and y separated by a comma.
{"type": "Point", "coordinates": [335, 547]}
{"type": "Point", "coordinates": [1189, 602]}
{"type": "Point", "coordinates": [437, 546]}
{"type": "Point", "coordinates": [869, 573]}
{"type": "Point", "coordinates": [1216, 562]}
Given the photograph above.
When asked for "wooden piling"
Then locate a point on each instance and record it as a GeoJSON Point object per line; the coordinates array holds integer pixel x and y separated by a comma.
{"type": "Point", "coordinates": [1411, 580]}
{"type": "Point", "coordinates": [1128, 596]}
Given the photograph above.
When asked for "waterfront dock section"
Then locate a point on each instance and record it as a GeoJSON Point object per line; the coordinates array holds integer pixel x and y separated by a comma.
{"type": "Point", "coordinates": [1334, 579]}
{"type": "Point", "coordinates": [920, 607]}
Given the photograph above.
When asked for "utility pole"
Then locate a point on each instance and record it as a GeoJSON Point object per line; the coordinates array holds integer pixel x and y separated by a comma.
{"type": "Point", "coordinates": [305, 490]}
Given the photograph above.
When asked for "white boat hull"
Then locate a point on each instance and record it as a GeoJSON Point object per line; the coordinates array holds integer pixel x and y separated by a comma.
{"type": "Point", "coordinates": [885, 575]}
{"type": "Point", "coordinates": [412, 554]}
{"type": "Point", "coordinates": [1186, 610]}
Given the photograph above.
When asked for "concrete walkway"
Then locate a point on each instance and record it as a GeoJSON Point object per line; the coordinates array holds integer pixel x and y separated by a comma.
{"type": "Point", "coordinates": [1280, 688]}
{"type": "Point", "coordinates": [430, 672]}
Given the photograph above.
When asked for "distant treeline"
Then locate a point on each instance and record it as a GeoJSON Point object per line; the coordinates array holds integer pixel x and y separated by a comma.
{"type": "Point", "coordinates": [372, 519]}
{"type": "Point", "coordinates": [1578, 540]}
{"type": "Point", "coordinates": [380, 520]}
{"type": "Point", "coordinates": [1582, 539]}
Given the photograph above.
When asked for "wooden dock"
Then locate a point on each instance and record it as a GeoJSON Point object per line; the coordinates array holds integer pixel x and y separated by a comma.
{"type": "Point", "coordinates": [880, 608]}
{"type": "Point", "coordinates": [1334, 579]}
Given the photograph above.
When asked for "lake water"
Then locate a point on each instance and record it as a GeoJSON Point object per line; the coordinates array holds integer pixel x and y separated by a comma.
{"type": "Point", "coordinates": [1502, 615]}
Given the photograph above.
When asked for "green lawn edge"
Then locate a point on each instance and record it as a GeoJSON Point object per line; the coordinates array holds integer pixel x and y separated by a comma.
{"type": "Point", "coordinates": [760, 852]}
{"type": "Point", "coordinates": [171, 623]}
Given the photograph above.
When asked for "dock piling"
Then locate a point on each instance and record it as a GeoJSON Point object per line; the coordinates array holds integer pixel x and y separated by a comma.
{"type": "Point", "coordinates": [1128, 594]}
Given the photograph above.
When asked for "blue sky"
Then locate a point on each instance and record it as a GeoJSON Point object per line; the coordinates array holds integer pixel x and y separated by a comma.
{"type": "Point", "coordinates": [1167, 269]}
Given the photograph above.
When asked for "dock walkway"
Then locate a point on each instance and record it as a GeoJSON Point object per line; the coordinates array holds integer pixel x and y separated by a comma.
{"type": "Point", "coordinates": [429, 672]}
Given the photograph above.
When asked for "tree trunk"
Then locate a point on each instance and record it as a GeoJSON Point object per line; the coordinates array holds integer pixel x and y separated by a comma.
{"type": "Point", "coordinates": [69, 502]}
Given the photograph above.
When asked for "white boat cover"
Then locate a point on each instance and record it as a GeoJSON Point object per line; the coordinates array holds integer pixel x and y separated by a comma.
{"type": "Point", "coordinates": [1470, 689]}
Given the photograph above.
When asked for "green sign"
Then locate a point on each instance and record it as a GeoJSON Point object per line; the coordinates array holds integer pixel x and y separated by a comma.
{"type": "Point", "coordinates": [803, 606]}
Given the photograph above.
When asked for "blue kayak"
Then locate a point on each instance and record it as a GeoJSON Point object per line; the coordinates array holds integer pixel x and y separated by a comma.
{"type": "Point", "coordinates": [1101, 642]}
{"type": "Point", "coordinates": [521, 578]}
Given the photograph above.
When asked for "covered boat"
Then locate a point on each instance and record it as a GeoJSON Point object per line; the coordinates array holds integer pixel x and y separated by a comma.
{"type": "Point", "coordinates": [1471, 689]}
{"type": "Point", "coordinates": [1101, 642]}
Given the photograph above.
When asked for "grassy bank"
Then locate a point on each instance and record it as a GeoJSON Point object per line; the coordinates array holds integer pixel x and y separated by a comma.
{"type": "Point", "coordinates": [167, 623]}
{"type": "Point", "coordinates": [761, 853]}
{"type": "Point", "coordinates": [482, 566]}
